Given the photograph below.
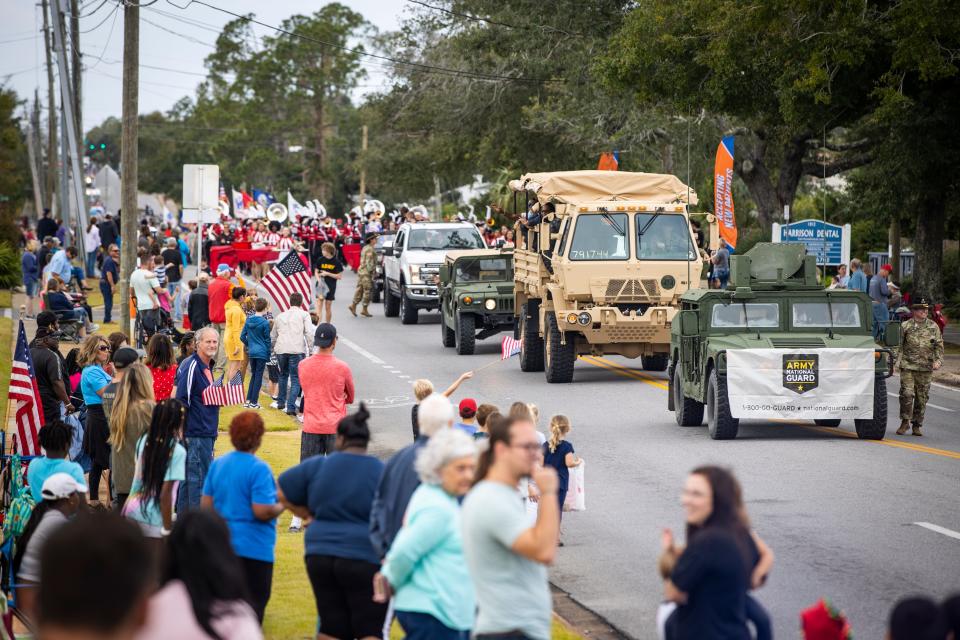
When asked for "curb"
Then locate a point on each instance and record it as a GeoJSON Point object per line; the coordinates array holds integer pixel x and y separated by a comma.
{"type": "Point", "coordinates": [582, 620]}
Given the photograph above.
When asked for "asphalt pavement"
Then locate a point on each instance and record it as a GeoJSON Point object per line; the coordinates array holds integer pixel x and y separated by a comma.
{"type": "Point", "coordinates": [841, 515]}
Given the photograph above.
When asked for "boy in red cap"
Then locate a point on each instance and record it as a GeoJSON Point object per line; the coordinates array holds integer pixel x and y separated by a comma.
{"type": "Point", "coordinates": [468, 417]}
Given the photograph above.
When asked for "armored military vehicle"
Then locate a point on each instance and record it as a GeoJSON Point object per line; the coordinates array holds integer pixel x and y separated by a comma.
{"type": "Point", "coordinates": [476, 296]}
{"type": "Point", "coordinates": [776, 345]}
{"type": "Point", "coordinates": [602, 258]}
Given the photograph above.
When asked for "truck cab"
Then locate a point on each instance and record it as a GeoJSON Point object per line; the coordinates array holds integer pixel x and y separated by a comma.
{"type": "Point", "coordinates": [412, 264]}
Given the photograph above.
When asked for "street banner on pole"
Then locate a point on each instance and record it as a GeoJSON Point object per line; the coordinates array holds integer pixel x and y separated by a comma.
{"type": "Point", "coordinates": [798, 384]}
{"type": "Point", "coordinates": [723, 191]}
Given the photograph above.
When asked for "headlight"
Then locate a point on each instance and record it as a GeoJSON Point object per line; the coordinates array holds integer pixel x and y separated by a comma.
{"type": "Point", "coordinates": [414, 276]}
{"type": "Point", "coordinates": [668, 282]}
{"type": "Point", "coordinates": [467, 300]}
{"type": "Point", "coordinates": [584, 318]}
{"type": "Point", "coordinates": [572, 318]}
{"type": "Point", "coordinates": [427, 273]}
{"type": "Point", "coordinates": [490, 304]}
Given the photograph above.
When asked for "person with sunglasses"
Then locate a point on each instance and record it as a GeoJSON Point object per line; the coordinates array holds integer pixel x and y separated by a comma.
{"type": "Point", "coordinates": [97, 373]}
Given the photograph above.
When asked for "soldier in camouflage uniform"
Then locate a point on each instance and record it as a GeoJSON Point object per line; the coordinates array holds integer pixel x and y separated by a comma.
{"type": "Point", "coordinates": [921, 353]}
{"type": "Point", "coordinates": [368, 267]}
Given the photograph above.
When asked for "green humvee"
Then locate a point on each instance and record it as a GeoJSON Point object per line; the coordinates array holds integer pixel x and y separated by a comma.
{"type": "Point", "coordinates": [776, 345]}
{"type": "Point", "coordinates": [476, 296]}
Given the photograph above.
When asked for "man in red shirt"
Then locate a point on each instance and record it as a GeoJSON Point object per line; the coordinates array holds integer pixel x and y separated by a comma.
{"type": "Point", "coordinates": [325, 398]}
{"type": "Point", "coordinates": [218, 292]}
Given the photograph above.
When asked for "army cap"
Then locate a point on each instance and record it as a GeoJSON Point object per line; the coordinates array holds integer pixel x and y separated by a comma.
{"type": "Point", "coordinates": [920, 304]}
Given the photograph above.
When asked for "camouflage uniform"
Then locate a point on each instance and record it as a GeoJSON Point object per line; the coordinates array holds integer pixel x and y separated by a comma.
{"type": "Point", "coordinates": [921, 347]}
{"type": "Point", "coordinates": [368, 267]}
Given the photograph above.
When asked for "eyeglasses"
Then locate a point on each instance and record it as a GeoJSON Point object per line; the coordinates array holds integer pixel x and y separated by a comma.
{"type": "Point", "coordinates": [103, 347]}
{"type": "Point", "coordinates": [530, 447]}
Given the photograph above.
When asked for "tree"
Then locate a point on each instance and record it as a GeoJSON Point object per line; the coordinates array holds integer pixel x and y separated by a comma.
{"type": "Point", "coordinates": [14, 180]}
{"type": "Point", "coordinates": [783, 75]}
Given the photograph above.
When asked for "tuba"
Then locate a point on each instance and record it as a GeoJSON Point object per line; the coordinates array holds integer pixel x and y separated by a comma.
{"type": "Point", "coordinates": [277, 212]}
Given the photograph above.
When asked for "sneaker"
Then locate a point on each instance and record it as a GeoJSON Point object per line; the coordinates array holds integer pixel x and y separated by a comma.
{"type": "Point", "coordinates": [274, 405]}
{"type": "Point", "coordinates": [93, 327]}
{"type": "Point", "coordinates": [300, 420]}
{"type": "Point", "coordinates": [254, 405]}
{"type": "Point", "coordinates": [294, 529]}
{"type": "Point", "coordinates": [247, 405]}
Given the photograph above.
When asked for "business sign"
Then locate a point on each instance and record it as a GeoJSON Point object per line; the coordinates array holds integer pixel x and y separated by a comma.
{"type": "Point", "coordinates": [821, 384]}
{"type": "Point", "coordinates": [829, 242]}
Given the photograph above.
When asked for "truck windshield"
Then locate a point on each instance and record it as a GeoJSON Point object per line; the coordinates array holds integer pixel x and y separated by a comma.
{"type": "Point", "coordinates": [600, 236]}
{"type": "Point", "coordinates": [817, 314]}
{"type": "Point", "coordinates": [487, 270]}
{"type": "Point", "coordinates": [439, 239]}
{"type": "Point", "coordinates": [758, 315]}
{"type": "Point", "coordinates": [665, 237]}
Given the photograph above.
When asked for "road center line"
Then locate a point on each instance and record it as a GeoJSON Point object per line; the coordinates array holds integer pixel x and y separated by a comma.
{"type": "Point", "coordinates": [603, 363]}
{"type": "Point", "coordinates": [929, 404]}
{"type": "Point", "coordinates": [366, 354]}
{"type": "Point", "coordinates": [950, 533]}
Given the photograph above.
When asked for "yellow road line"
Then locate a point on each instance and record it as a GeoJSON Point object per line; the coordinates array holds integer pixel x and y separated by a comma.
{"type": "Point", "coordinates": [603, 363]}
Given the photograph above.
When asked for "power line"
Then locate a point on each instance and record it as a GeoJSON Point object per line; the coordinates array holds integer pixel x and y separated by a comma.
{"type": "Point", "coordinates": [17, 40]}
{"type": "Point", "coordinates": [420, 65]}
{"type": "Point", "coordinates": [87, 15]}
{"type": "Point", "coordinates": [465, 15]}
{"type": "Point", "coordinates": [179, 35]}
{"type": "Point", "coordinates": [112, 14]}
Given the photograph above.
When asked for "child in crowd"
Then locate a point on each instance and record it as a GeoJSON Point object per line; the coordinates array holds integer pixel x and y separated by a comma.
{"type": "Point", "coordinates": [484, 411]}
{"type": "Point", "coordinates": [559, 454]}
{"type": "Point", "coordinates": [329, 271]}
{"type": "Point", "coordinates": [468, 417]}
{"type": "Point", "coordinates": [422, 388]}
{"type": "Point", "coordinates": [192, 285]}
{"type": "Point", "coordinates": [256, 338]}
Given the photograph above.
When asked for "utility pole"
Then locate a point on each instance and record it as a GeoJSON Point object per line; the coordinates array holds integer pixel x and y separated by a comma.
{"type": "Point", "coordinates": [51, 172]}
{"type": "Point", "coordinates": [363, 167]}
{"type": "Point", "coordinates": [75, 56]}
{"type": "Point", "coordinates": [895, 247]}
{"type": "Point", "coordinates": [128, 154]}
{"type": "Point", "coordinates": [436, 195]}
{"type": "Point", "coordinates": [34, 170]}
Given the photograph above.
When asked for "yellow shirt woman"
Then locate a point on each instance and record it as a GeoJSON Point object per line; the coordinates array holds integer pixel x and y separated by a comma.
{"type": "Point", "coordinates": [235, 318]}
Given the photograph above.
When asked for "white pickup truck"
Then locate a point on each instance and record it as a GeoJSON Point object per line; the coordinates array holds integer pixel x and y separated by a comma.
{"type": "Point", "coordinates": [411, 265]}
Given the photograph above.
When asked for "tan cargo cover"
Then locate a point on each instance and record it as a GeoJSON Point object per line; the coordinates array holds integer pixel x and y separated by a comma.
{"type": "Point", "coordinates": [588, 186]}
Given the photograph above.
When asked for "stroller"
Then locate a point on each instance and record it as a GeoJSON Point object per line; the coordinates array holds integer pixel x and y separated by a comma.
{"type": "Point", "coordinates": [151, 321]}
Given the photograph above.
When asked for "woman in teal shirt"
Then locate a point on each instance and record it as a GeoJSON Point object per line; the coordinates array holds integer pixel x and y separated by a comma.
{"type": "Point", "coordinates": [97, 373]}
{"type": "Point", "coordinates": [425, 566]}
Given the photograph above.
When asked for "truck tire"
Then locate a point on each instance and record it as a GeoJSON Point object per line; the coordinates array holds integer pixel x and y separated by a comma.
{"type": "Point", "coordinates": [654, 363]}
{"type": "Point", "coordinates": [466, 334]}
{"type": "Point", "coordinates": [391, 303]}
{"type": "Point", "coordinates": [876, 427]}
{"type": "Point", "coordinates": [408, 312]}
{"type": "Point", "coordinates": [720, 423]}
{"type": "Point", "coordinates": [827, 422]}
{"type": "Point", "coordinates": [531, 344]}
{"type": "Point", "coordinates": [559, 358]}
{"type": "Point", "coordinates": [448, 336]}
{"type": "Point", "coordinates": [688, 411]}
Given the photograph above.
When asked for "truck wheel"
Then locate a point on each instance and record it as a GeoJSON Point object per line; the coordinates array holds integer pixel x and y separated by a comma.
{"type": "Point", "coordinates": [559, 357]}
{"type": "Point", "coordinates": [827, 422]}
{"type": "Point", "coordinates": [408, 312]}
{"type": "Point", "coordinates": [876, 427]}
{"type": "Point", "coordinates": [391, 304]}
{"type": "Point", "coordinates": [447, 335]}
{"type": "Point", "coordinates": [531, 344]}
{"type": "Point", "coordinates": [375, 294]}
{"type": "Point", "coordinates": [466, 334]}
{"type": "Point", "coordinates": [688, 412]}
{"type": "Point", "coordinates": [721, 424]}
{"type": "Point", "coordinates": [654, 363]}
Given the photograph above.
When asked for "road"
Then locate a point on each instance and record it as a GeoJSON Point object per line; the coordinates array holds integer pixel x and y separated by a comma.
{"type": "Point", "coordinates": [839, 513]}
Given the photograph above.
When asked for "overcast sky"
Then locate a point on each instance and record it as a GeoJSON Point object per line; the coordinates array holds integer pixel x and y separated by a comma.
{"type": "Point", "coordinates": [180, 56]}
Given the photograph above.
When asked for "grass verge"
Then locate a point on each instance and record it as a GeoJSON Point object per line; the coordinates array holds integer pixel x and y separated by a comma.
{"type": "Point", "coordinates": [6, 298]}
{"type": "Point", "coordinates": [6, 362]}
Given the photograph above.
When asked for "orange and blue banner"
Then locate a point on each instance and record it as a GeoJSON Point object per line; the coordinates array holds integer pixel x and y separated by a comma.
{"type": "Point", "coordinates": [609, 161]}
{"type": "Point", "coordinates": [723, 192]}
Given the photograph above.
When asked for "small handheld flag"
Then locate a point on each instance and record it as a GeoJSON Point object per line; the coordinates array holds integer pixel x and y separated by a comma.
{"type": "Point", "coordinates": [509, 347]}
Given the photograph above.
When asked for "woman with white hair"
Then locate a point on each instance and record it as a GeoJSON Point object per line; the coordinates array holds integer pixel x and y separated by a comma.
{"type": "Point", "coordinates": [425, 566]}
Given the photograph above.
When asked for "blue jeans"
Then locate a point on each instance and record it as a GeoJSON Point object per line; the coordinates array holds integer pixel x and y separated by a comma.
{"type": "Point", "coordinates": [199, 457]}
{"type": "Point", "coordinates": [91, 263]}
{"type": "Point", "coordinates": [288, 363]}
{"type": "Point", "coordinates": [423, 626]}
{"type": "Point", "coordinates": [107, 301]}
{"type": "Point", "coordinates": [880, 318]}
{"type": "Point", "coordinates": [257, 365]}
{"type": "Point", "coordinates": [173, 288]}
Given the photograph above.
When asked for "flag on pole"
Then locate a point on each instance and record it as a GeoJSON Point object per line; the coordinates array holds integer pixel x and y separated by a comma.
{"type": "Point", "coordinates": [723, 191]}
{"type": "Point", "coordinates": [223, 194]}
{"type": "Point", "coordinates": [289, 276]}
{"type": "Point", "coordinates": [509, 347]}
{"type": "Point", "coordinates": [219, 395]}
{"type": "Point", "coordinates": [295, 209]}
{"type": "Point", "coordinates": [239, 209]}
{"type": "Point", "coordinates": [24, 394]}
{"type": "Point", "coordinates": [609, 161]}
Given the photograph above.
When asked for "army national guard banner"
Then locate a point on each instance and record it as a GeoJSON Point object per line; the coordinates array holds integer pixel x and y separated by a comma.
{"type": "Point", "coordinates": [793, 383]}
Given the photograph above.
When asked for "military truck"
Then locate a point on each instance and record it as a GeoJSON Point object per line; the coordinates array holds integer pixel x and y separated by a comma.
{"type": "Point", "coordinates": [601, 261]}
{"type": "Point", "coordinates": [776, 345]}
{"type": "Point", "coordinates": [476, 296]}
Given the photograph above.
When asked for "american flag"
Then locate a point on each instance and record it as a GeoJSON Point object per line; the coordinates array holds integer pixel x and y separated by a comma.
{"type": "Point", "coordinates": [509, 347]}
{"type": "Point", "coordinates": [25, 395]}
{"type": "Point", "coordinates": [289, 276]}
{"type": "Point", "coordinates": [219, 395]}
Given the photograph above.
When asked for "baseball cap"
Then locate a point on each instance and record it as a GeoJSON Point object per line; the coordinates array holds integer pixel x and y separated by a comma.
{"type": "Point", "coordinates": [325, 335]}
{"type": "Point", "coordinates": [124, 357]}
{"type": "Point", "coordinates": [46, 319]}
{"type": "Point", "coordinates": [468, 408]}
{"type": "Point", "coordinates": [61, 485]}
{"type": "Point", "coordinates": [223, 266]}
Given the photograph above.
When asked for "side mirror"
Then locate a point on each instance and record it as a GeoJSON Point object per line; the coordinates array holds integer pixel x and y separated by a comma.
{"type": "Point", "coordinates": [689, 323]}
{"type": "Point", "coordinates": [891, 336]}
{"type": "Point", "coordinates": [444, 273]}
{"type": "Point", "coordinates": [388, 251]}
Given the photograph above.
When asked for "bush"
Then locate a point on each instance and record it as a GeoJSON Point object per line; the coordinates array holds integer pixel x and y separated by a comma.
{"type": "Point", "coordinates": [10, 275]}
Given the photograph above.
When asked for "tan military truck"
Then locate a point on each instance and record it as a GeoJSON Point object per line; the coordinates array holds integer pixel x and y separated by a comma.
{"type": "Point", "coordinates": [601, 261]}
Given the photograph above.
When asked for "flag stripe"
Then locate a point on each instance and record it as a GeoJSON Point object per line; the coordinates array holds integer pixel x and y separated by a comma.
{"type": "Point", "coordinates": [24, 393]}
